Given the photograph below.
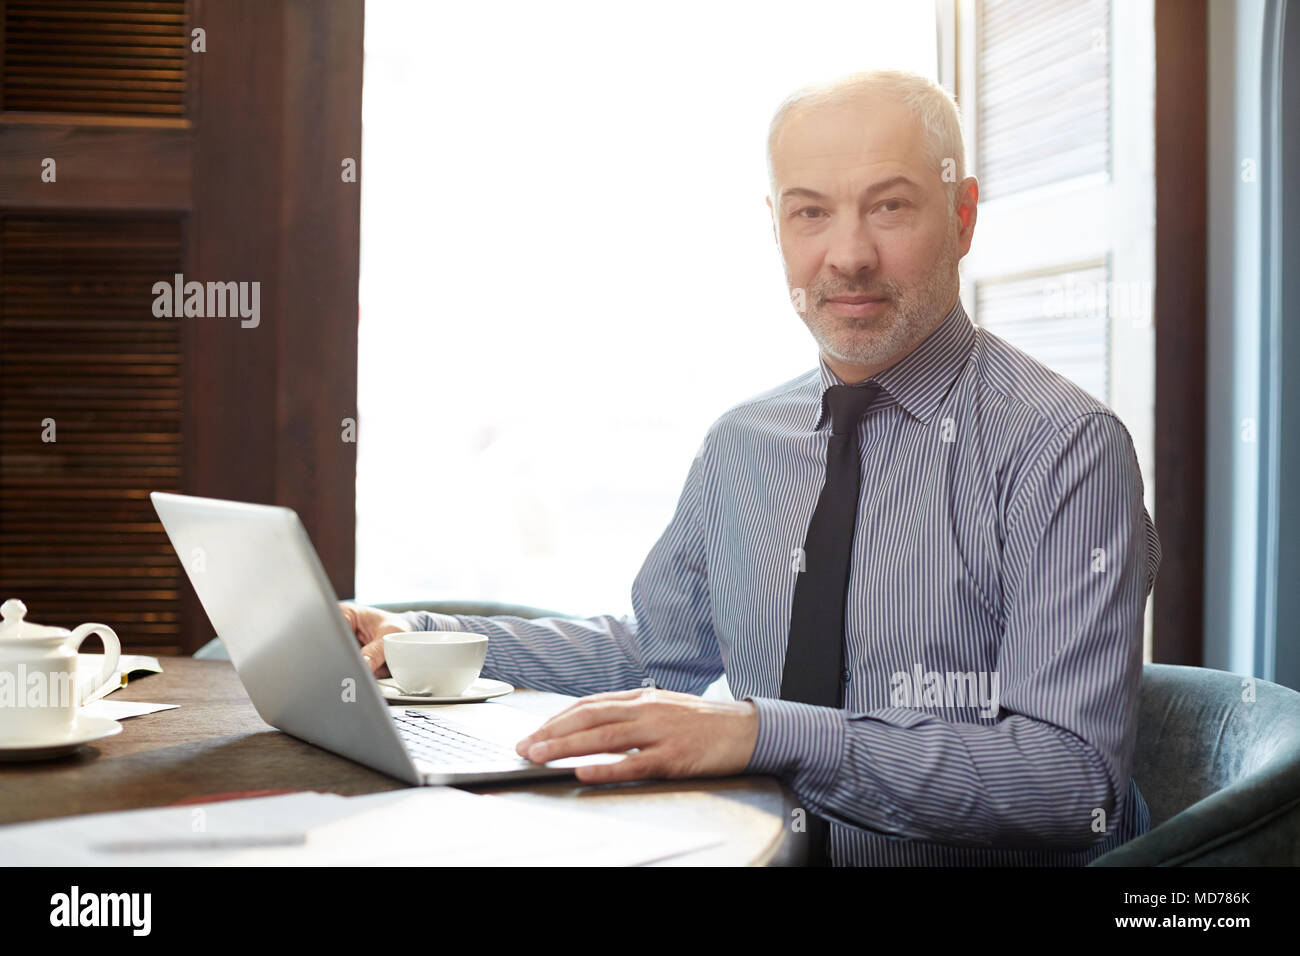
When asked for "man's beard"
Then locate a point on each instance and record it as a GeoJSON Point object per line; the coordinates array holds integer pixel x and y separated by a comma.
{"type": "Point", "coordinates": [880, 340]}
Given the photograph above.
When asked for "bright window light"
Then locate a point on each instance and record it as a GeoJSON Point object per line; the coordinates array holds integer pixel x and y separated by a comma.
{"type": "Point", "coordinates": [568, 272]}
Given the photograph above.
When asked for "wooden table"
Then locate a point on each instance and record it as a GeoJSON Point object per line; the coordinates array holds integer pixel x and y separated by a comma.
{"type": "Point", "coordinates": [215, 743]}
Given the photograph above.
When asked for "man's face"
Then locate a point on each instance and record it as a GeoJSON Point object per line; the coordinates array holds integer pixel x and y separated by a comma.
{"type": "Point", "coordinates": [865, 231]}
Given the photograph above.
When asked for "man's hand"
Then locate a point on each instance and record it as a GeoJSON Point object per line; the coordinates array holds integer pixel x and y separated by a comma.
{"type": "Point", "coordinates": [370, 624]}
{"type": "Point", "coordinates": [677, 735]}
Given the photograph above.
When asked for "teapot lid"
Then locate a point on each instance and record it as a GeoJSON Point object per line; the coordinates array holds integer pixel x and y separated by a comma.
{"type": "Point", "coordinates": [13, 625]}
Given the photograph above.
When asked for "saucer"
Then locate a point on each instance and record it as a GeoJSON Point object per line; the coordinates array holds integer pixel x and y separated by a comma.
{"type": "Point", "coordinates": [481, 689]}
{"type": "Point", "coordinates": [83, 731]}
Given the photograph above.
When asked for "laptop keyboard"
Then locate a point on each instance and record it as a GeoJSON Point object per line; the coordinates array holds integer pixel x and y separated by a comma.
{"type": "Point", "coordinates": [429, 738]}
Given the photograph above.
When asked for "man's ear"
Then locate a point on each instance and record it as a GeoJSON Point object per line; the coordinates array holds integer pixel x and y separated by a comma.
{"type": "Point", "coordinates": [968, 194]}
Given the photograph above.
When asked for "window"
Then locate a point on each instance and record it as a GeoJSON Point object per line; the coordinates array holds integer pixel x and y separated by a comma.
{"type": "Point", "coordinates": [1057, 99]}
{"type": "Point", "coordinates": [568, 272]}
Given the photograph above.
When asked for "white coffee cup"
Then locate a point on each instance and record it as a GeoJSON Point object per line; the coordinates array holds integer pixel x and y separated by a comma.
{"type": "Point", "coordinates": [435, 663]}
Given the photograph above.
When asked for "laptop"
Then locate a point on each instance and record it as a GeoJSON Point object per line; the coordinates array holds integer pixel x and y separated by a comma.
{"type": "Point", "coordinates": [264, 589]}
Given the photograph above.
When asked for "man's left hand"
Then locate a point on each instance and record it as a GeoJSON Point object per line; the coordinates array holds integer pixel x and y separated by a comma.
{"type": "Point", "coordinates": [676, 735]}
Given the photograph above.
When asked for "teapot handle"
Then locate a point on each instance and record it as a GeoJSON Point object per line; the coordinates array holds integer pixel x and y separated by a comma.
{"type": "Point", "coordinates": [112, 654]}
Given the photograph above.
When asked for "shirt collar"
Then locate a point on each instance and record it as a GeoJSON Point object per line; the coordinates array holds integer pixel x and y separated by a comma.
{"type": "Point", "coordinates": [920, 379]}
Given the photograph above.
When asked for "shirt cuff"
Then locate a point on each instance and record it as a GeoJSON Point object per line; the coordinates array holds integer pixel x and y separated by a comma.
{"type": "Point", "coordinates": [431, 621]}
{"type": "Point", "coordinates": [798, 740]}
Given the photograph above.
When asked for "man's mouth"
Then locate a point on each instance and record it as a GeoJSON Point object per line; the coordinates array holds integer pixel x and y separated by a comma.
{"type": "Point", "coordinates": [856, 306]}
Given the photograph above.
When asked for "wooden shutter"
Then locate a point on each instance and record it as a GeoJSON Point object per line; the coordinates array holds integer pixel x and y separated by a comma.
{"type": "Point", "coordinates": [223, 166]}
{"type": "Point", "coordinates": [90, 56]}
{"type": "Point", "coordinates": [1043, 100]}
{"type": "Point", "coordinates": [90, 413]}
{"type": "Point", "coordinates": [1060, 318]}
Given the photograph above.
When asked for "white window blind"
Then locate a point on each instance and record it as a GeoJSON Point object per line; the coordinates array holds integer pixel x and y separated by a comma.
{"type": "Point", "coordinates": [1043, 72]}
{"type": "Point", "coordinates": [1061, 319]}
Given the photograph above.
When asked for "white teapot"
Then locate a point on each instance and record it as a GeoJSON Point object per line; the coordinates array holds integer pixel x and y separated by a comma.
{"type": "Point", "coordinates": [39, 695]}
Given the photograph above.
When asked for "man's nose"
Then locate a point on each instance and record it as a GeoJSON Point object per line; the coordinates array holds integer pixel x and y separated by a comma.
{"type": "Point", "coordinates": [852, 248]}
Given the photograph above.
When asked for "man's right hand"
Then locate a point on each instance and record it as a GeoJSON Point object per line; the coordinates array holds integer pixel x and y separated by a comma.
{"type": "Point", "coordinates": [369, 625]}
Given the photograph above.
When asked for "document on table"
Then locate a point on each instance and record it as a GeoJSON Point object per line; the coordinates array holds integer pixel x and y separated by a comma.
{"type": "Point", "coordinates": [438, 826]}
{"type": "Point", "coordinates": [89, 666]}
{"type": "Point", "coordinates": [122, 709]}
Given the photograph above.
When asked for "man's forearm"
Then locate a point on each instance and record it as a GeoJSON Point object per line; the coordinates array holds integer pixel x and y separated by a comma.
{"type": "Point", "coordinates": [577, 656]}
{"type": "Point", "coordinates": [905, 773]}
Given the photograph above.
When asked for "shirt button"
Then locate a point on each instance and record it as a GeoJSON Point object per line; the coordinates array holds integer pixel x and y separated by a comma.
{"type": "Point", "coordinates": [846, 676]}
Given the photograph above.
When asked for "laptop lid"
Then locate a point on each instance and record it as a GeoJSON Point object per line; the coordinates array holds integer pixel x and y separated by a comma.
{"type": "Point", "coordinates": [268, 597]}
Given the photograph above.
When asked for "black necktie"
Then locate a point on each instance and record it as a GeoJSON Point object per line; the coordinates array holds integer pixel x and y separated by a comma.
{"type": "Point", "coordinates": [814, 656]}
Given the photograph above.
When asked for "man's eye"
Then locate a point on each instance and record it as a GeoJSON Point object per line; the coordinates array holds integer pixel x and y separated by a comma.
{"type": "Point", "coordinates": [892, 202]}
{"type": "Point", "coordinates": [816, 213]}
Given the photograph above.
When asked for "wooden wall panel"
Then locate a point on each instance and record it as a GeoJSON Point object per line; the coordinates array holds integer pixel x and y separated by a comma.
{"type": "Point", "coordinates": [1180, 318]}
{"type": "Point", "coordinates": [123, 57]}
{"type": "Point", "coordinates": [96, 167]}
{"type": "Point", "coordinates": [90, 412]}
{"type": "Point", "coordinates": [240, 146]}
{"type": "Point", "coordinates": [320, 236]}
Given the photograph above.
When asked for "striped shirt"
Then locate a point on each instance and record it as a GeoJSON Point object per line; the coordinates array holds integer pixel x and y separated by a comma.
{"type": "Point", "coordinates": [993, 630]}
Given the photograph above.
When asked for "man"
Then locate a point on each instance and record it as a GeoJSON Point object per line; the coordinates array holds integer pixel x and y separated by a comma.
{"type": "Point", "coordinates": [922, 567]}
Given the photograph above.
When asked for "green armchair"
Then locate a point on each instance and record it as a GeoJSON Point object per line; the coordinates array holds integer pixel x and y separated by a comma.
{"type": "Point", "coordinates": [1220, 774]}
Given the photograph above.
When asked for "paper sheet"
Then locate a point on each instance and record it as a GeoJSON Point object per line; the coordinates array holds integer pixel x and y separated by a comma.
{"type": "Point", "coordinates": [122, 709]}
{"type": "Point", "coordinates": [416, 826]}
{"type": "Point", "coordinates": [70, 841]}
